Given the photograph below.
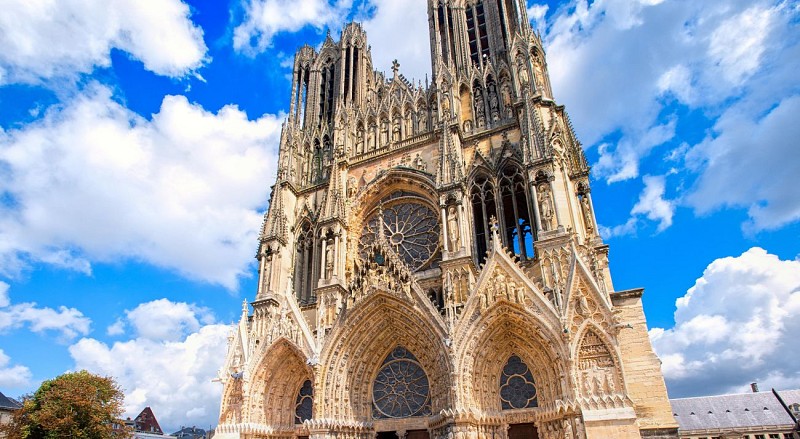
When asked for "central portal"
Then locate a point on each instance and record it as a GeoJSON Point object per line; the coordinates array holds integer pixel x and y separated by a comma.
{"type": "Point", "coordinates": [411, 434]}
{"type": "Point", "coordinates": [522, 431]}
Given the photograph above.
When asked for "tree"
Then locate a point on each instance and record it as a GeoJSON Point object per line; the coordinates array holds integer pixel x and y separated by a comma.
{"type": "Point", "coordinates": [76, 405]}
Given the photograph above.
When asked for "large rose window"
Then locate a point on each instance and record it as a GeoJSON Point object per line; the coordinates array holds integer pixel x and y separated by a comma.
{"type": "Point", "coordinates": [401, 387]}
{"type": "Point", "coordinates": [410, 226]}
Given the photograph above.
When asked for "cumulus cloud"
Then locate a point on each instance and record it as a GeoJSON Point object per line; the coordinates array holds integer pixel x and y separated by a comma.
{"type": "Point", "coordinates": [266, 18]}
{"type": "Point", "coordinates": [171, 374]}
{"type": "Point", "coordinates": [93, 181]}
{"type": "Point", "coordinates": [652, 205]}
{"type": "Point", "coordinates": [619, 65]}
{"type": "Point", "coordinates": [67, 322]}
{"type": "Point", "coordinates": [166, 320]}
{"type": "Point", "coordinates": [13, 376]}
{"type": "Point", "coordinates": [734, 326]}
{"type": "Point", "coordinates": [389, 19]}
{"type": "Point", "coordinates": [60, 38]}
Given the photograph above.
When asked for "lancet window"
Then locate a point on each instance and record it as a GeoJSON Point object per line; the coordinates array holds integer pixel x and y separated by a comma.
{"type": "Point", "coordinates": [326, 93]}
{"type": "Point", "coordinates": [517, 388]}
{"type": "Point", "coordinates": [304, 403]}
{"type": "Point", "coordinates": [505, 198]}
{"type": "Point", "coordinates": [476, 32]}
{"type": "Point", "coordinates": [401, 388]}
{"type": "Point", "coordinates": [304, 264]}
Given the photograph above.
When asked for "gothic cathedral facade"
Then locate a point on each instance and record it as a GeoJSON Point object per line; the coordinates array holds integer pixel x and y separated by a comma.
{"type": "Point", "coordinates": [430, 265]}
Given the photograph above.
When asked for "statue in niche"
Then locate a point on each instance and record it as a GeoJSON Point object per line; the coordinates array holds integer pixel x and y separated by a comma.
{"type": "Point", "coordinates": [452, 228]}
{"type": "Point", "coordinates": [409, 124]}
{"type": "Point", "coordinates": [587, 214]}
{"type": "Point", "coordinates": [538, 74]}
{"type": "Point", "coordinates": [581, 305]}
{"type": "Point", "coordinates": [493, 104]}
{"type": "Point", "coordinates": [468, 126]}
{"type": "Point", "coordinates": [505, 93]}
{"type": "Point", "coordinates": [267, 270]}
{"type": "Point", "coordinates": [371, 137]}
{"type": "Point", "coordinates": [568, 433]}
{"type": "Point", "coordinates": [480, 112]}
{"type": "Point", "coordinates": [352, 187]}
{"type": "Point", "coordinates": [446, 105]}
{"type": "Point", "coordinates": [546, 207]}
{"type": "Point", "coordinates": [329, 259]}
{"type": "Point", "coordinates": [423, 121]}
{"type": "Point", "coordinates": [523, 74]}
{"type": "Point", "coordinates": [420, 164]}
{"type": "Point", "coordinates": [396, 129]}
{"type": "Point", "coordinates": [360, 141]}
{"type": "Point", "coordinates": [384, 132]}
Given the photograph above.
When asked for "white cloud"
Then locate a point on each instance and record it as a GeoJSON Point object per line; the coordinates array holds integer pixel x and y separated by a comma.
{"type": "Point", "coordinates": [172, 375]}
{"type": "Point", "coordinates": [116, 328]}
{"type": "Point", "coordinates": [734, 326]}
{"type": "Point", "coordinates": [13, 377]}
{"type": "Point", "coordinates": [93, 181]}
{"type": "Point", "coordinates": [536, 14]}
{"type": "Point", "coordinates": [751, 163]}
{"type": "Point", "coordinates": [618, 64]}
{"type": "Point", "coordinates": [266, 18]}
{"type": "Point", "coordinates": [4, 300]}
{"type": "Point", "coordinates": [165, 320]}
{"type": "Point", "coordinates": [407, 20]}
{"type": "Point", "coordinates": [45, 39]}
{"type": "Point", "coordinates": [652, 203]}
{"type": "Point", "coordinates": [68, 322]}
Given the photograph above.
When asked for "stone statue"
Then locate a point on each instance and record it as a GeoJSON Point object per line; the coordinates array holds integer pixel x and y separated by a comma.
{"type": "Point", "coordinates": [523, 75]}
{"type": "Point", "coordinates": [568, 434]}
{"type": "Point", "coordinates": [480, 112]}
{"type": "Point", "coordinates": [452, 228]}
{"type": "Point", "coordinates": [329, 259]}
{"type": "Point", "coordinates": [546, 207]}
{"type": "Point", "coordinates": [587, 214]}
{"type": "Point", "coordinates": [423, 121]}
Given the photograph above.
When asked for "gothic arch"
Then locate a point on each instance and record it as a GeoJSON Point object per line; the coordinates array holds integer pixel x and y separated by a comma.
{"type": "Point", "coordinates": [275, 383]}
{"type": "Point", "coordinates": [598, 369]}
{"type": "Point", "coordinates": [358, 345]}
{"type": "Point", "coordinates": [503, 330]}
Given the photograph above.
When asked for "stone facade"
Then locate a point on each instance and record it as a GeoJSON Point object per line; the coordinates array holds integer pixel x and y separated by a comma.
{"type": "Point", "coordinates": [430, 265]}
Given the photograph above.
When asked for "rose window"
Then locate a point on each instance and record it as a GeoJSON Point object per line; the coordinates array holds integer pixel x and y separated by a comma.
{"type": "Point", "coordinates": [410, 227]}
{"type": "Point", "coordinates": [401, 387]}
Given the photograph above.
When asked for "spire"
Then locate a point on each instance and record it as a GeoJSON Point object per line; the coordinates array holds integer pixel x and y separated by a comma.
{"type": "Point", "coordinates": [451, 168]}
{"type": "Point", "coordinates": [333, 203]}
{"type": "Point", "coordinates": [275, 220]}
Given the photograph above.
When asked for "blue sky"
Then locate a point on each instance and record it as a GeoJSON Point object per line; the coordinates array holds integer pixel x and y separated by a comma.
{"type": "Point", "coordinates": [138, 144]}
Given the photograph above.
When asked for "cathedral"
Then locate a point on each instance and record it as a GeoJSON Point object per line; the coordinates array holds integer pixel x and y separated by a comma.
{"type": "Point", "coordinates": [430, 265]}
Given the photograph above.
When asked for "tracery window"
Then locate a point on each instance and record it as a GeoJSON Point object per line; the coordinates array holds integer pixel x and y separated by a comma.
{"type": "Point", "coordinates": [516, 216]}
{"type": "Point", "coordinates": [505, 199]}
{"type": "Point", "coordinates": [401, 389]}
{"type": "Point", "coordinates": [304, 263]}
{"type": "Point", "coordinates": [304, 403]}
{"type": "Point", "coordinates": [517, 388]}
{"type": "Point", "coordinates": [410, 226]}
{"type": "Point", "coordinates": [483, 209]}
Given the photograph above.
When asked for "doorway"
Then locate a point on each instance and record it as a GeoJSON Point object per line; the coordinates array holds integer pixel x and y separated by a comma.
{"type": "Point", "coordinates": [522, 431]}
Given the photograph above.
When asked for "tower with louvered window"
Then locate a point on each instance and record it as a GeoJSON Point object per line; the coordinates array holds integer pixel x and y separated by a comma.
{"type": "Point", "coordinates": [430, 264]}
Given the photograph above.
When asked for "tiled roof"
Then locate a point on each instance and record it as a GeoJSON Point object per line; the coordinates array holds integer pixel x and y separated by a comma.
{"type": "Point", "coordinates": [732, 411]}
{"type": "Point", "coordinates": [146, 422]}
{"type": "Point", "coordinates": [7, 403]}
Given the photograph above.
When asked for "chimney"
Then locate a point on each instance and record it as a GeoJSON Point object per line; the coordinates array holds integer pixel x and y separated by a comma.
{"type": "Point", "coordinates": [754, 387]}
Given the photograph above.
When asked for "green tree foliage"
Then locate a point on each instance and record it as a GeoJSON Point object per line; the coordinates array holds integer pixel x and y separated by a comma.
{"type": "Point", "coordinates": [75, 405]}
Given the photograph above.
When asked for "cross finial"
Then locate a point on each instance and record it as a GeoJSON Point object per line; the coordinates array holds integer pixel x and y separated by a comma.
{"type": "Point", "coordinates": [395, 67]}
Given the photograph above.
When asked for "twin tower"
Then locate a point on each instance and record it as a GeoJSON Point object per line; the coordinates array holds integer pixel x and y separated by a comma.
{"type": "Point", "coordinates": [430, 265]}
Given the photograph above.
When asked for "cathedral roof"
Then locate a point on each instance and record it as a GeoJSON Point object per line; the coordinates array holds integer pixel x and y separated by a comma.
{"type": "Point", "coordinates": [742, 410]}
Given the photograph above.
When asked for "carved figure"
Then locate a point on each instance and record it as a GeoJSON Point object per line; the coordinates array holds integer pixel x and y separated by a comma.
{"type": "Point", "coordinates": [452, 228]}
{"type": "Point", "coordinates": [587, 214]}
{"type": "Point", "coordinates": [546, 207]}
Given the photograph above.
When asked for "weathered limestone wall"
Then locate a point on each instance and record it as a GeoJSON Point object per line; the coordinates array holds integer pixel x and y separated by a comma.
{"type": "Point", "coordinates": [645, 383]}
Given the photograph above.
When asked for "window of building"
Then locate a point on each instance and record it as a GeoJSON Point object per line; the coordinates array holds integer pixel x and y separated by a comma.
{"type": "Point", "coordinates": [401, 387]}
{"type": "Point", "coordinates": [304, 403]}
{"type": "Point", "coordinates": [517, 389]}
{"type": "Point", "coordinates": [483, 209]}
{"type": "Point", "coordinates": [304, 263]}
